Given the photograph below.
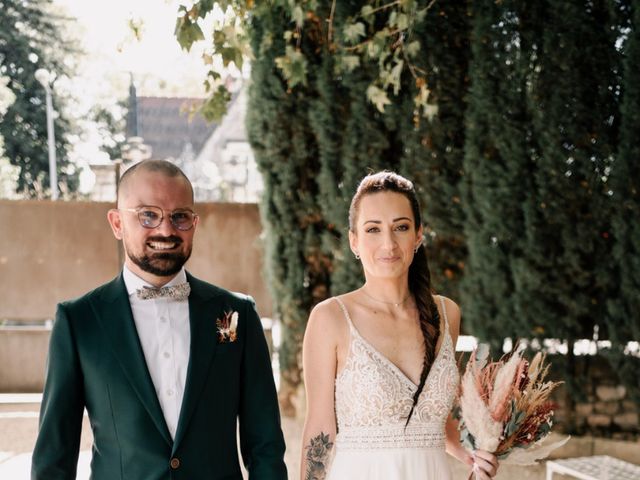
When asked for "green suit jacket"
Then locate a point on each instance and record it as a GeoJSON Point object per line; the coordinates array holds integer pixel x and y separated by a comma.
{"type": "Point", "coordinates": [96, 362]}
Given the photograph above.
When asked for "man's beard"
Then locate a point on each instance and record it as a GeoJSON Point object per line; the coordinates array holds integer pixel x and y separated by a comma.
{"type": "Point", "coordinates": [161, 264]}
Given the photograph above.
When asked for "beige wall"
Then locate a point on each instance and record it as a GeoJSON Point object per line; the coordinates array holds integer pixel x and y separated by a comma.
{"type": "Point", "coordinates": [23, 354]}
{"type": "Point", "coordinates": [53, 251]}
{"type": "Point", "coordinates": [228, 252]}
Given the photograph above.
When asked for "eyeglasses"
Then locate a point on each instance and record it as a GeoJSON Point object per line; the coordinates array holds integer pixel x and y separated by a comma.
{"type": "Point", "coordinates": [151, 217]}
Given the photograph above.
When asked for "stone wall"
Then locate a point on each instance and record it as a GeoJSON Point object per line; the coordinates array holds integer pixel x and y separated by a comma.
{"type": "Point", "coordinates": [605, 407]}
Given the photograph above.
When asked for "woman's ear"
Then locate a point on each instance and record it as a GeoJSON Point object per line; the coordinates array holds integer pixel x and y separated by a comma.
{"type": "Point", "coordinates": [353, 243]}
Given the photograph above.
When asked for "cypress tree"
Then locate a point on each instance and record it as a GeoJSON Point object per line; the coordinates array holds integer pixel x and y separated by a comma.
{"type": "Point", "coordinates": [495, 165]}
{"type": "Point", "coordinates": [434, 157]}
{"type": "Point", "coordinates": [286, 153]}
{"type": "Point", "coordinates": [313, 143]}
{"type": "Point", "coordinates": [539, 139]}
{"type": "Point", "coordinates": [623, 321]}
{"type": "Point", "coordinates": [575, 118]}
{"type": "Point", "coordinates": [365, 147]}
{"type": "Point", "coordinates": [542, 128]}
{"type": "Point", "coordinates": [428, 151]}
{"type": "Point", "coordinates": [517, 200]}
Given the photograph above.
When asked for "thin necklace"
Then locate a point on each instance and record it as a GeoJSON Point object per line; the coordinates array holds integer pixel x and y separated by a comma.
{"type": "Point", "coordinates": [397, 304]}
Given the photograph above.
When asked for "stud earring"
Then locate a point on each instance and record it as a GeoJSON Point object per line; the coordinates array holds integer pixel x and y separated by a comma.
{"type": "Point", "coordinates": [357, 256]}
{"type": "Point", "coordinates": [416, 249]}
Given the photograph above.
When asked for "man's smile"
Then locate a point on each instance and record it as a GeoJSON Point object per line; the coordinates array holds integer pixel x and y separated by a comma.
{"type": "Point", "coordinates": [155, 245]}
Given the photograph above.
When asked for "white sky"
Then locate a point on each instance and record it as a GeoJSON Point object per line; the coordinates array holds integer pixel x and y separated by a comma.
{"type": "Point", "coordinates": [159, 66]}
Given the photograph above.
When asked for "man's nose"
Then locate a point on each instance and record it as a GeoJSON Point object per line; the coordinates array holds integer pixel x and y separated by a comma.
{"type": "Point", "coordinates": [166, 228]}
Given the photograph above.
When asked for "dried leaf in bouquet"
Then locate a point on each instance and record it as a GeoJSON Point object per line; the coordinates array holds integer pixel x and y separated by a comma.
{"type": "Point", "coordinates": [504, 407]}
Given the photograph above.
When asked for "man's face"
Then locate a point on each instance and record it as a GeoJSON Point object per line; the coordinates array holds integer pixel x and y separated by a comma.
{"type": "Point", "coordinates": [154, 254]}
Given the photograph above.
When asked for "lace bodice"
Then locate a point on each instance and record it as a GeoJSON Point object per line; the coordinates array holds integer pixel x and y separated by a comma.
{"type": "Point", "coordinates": [373, 397]}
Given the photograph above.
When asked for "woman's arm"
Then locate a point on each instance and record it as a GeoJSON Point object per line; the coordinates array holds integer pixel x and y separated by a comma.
{"type": "Point", "coordinates": [453, 445]}
{"type": "Point", "coordinates": [484, 464]}
{"type": "Point", "coordinates": [319, 363]}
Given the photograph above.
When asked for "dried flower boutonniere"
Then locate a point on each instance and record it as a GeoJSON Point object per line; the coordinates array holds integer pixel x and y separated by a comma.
{"type": "Point", "coordinates": [227, 327]}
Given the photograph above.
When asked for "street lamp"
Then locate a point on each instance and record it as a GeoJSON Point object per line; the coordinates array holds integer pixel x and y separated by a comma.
{"type": "Point", "coordinates": [45, 78]}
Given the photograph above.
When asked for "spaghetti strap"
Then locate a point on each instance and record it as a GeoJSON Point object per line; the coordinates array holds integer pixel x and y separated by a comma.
{"type": "Point", "coordinates": [352, 329]}
{"type": "Point", "coordinates": [444, 312]}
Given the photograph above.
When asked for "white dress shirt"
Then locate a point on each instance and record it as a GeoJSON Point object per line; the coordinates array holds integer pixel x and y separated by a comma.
{"type": "Point", "coordinates": [165, 336]}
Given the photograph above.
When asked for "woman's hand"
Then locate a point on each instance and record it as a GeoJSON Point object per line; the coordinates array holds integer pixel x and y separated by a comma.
{"type": "Point", "coordinates": [485, 465]}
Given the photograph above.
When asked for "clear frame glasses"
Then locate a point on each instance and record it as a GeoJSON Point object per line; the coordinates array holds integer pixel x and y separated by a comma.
{"type": "Point", "coordinates": [151, 217]}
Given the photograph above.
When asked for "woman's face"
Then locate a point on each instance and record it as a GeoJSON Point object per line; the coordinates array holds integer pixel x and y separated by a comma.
{"type": "Point", "coordinates": [385, 235]}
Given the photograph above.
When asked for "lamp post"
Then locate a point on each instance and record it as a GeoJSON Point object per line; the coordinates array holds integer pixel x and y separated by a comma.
{"type": "Point", "coordinates": [44, 77]}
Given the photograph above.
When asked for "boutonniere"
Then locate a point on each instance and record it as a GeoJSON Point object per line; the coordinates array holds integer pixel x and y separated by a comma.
{"type": "Point", "coordinates": [227, 326]}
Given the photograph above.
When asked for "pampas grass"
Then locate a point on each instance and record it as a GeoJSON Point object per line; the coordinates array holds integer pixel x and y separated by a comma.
{"type": "Point", "coordinates": [504, 407]}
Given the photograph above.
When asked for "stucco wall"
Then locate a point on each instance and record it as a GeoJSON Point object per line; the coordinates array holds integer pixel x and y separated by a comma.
{"type": "Point", "coordinates": [23, 355]}
{"type": "Point", "coordinates": [52, 251]}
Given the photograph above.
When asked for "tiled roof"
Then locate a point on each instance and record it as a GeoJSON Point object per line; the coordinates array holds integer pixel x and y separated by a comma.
{"type": "Point", "coordinates": [165, 124]}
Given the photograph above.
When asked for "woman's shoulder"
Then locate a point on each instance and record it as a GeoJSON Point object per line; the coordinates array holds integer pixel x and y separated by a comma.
{"type": "Point", "coordinates": [452, 311]}
{"type": "Point", "coordinates": [327, 316]}
{"type": "Point", "coordinates": [450, 305]}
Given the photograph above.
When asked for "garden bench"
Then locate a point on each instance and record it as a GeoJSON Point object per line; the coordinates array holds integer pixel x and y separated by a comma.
{"type": "Point", "coordinates": [596, 467]}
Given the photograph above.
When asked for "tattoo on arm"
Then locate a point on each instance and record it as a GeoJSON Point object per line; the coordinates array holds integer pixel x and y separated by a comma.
{"type": "Point", "coordinates": [317, 457]}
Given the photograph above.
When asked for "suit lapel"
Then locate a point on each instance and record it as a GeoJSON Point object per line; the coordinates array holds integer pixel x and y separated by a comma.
{"type": "Point", "coordinates": [116, 319]}
{"type": "Point", "coordinates": [203, 311]}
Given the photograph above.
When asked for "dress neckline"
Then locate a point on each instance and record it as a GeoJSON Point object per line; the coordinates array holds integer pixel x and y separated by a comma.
{"type": "Point", "coordinates": [385, 360]}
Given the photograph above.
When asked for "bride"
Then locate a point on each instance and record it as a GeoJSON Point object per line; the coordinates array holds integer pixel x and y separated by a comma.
{"type": "Point", "coordinates": [378, 362]}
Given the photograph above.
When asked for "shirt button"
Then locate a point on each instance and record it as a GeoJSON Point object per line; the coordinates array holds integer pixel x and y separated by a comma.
{"type": "Point", "coordinates": [169, 392]}
{"type": "Point", "coordinates": [175, 463]}
{"type": "Point", "coordinates": [167, 354]}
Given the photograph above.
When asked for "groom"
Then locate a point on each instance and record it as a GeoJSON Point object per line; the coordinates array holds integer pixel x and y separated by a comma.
{"type": "Point", "coordinates": [164, 363]}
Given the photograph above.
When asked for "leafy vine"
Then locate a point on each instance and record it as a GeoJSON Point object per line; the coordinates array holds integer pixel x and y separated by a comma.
{"type": "Point", "coordinates": [380, 34]}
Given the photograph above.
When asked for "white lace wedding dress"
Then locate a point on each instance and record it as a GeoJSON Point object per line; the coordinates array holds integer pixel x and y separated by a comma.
{"type": "Point", "coordinates": [372, 400]}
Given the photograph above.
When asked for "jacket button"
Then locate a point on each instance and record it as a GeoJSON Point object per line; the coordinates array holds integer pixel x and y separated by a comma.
{"type": "Point", "coordinates": [175, 463]}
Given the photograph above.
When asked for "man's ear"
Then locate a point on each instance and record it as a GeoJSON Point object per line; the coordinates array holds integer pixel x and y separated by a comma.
{"type": "Point", "coordinates": [115, 221]}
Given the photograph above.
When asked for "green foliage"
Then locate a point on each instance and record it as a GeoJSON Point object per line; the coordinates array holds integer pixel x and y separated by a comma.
{"type": "Point", "coordinates": [495, 164]}
{"type": "Point", "coordinates": [575, 122]}
{"type": "Point", "coordinates": [538, 143]}
{"type": "Point", "coordinates": [525, 164]}
{"type": "Point", "coordinates": [30, 39]}
{"type": "Point", "coordinates": [623, 321]}
{"type": "Point", "coordinates": [187, 30]}
{"type": "Point", "coordinates": [314, 143]}
{"type": "Point", "coordinates": [111, 125]}
{"type": "Point", "coordinates": [438, 174]}
{"type": "Point", "coordinates": [541, 161]}
{"type": "Point", "coordinates": [625, 191]}
{"type": "Point", "coordinates": [286, 154]}
{"type": "Point", "coordinates": [228, 41]}
{"type": "Point", "coordinates": [293, 66]}
{"type": "Point", "coordinates": [379, 33]}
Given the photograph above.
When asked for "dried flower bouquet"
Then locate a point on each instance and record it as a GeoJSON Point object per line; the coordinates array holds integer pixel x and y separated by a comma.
{"type": "Point", "coordinates": [504, 407]}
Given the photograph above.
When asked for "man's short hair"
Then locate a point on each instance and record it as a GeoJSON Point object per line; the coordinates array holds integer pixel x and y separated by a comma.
{"type": "Point", "coordinates": [163, 167]}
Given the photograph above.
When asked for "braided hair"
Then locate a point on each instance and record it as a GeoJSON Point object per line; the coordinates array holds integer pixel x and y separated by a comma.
{"type": "Point", "coordinates": [419, 275]}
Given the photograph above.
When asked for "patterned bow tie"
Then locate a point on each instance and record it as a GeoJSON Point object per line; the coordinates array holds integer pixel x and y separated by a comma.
{"type": "Point", "coordinates": [177, 292]}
